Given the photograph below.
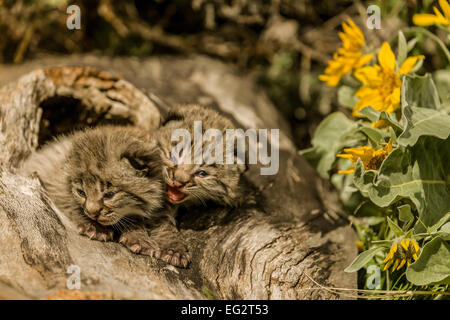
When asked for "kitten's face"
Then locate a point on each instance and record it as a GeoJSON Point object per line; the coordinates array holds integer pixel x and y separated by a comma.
{"type": "Point", "coordinates": [199, 183]}
{"type": "Point", "coordinates": [104, 202]}
{"type": "Point", "coordinates": [112, 178]}
{"type": "Point", "coordinates": [187, 182]}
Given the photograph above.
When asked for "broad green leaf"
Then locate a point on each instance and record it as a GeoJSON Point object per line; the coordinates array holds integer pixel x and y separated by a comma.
{"type": "Point", "coordinates": [419, 91]}
{"type": "Point", "coordinates": [373, 134]}
{"type": "Point", "coordinates": [334, 133]}
{"type": "Point", "coordinates": [446, 228]}
{"type": "Point", "coordinates": [405, 215]}
{"type": "Point", "coordinates": [418, 173]}
{"type": "Point", "coordinates": [439, 224]}
{"type": "Point", "coordinates": [393, 136]}
{"type": "Point", "coordinates": [402, 49]}
{"type": "Point", "coordinates": [420, 111]}
{"type": "Point", "coordinates": [424, 122]}
{"type": "Point", "coordinates": [346, 97]}
{"type": "Point", "coordinates": [375, 116]}
{"type": "Point", "coordinates": [363, 258]}
{"type": "Point", "coordinates": [395, 228]}
{"type": "Point", "coordinates": [412, 43]}
{"type": "Point", "coordinates": [433, 264]}
{"type": "Point", "coordinates": [417, 66]}
{"type": "Point", "coordinates": [442, 79]}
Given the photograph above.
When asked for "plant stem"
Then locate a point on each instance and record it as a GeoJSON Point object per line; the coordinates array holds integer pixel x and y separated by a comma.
{"type": "Point", "coordinates": [432, 36]}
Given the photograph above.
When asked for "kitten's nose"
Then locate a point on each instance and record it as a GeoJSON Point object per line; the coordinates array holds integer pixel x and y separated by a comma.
{"type": "Point", "coordinates": [180, 178]}
{"type": "Point", "coordinates": [92, 207]}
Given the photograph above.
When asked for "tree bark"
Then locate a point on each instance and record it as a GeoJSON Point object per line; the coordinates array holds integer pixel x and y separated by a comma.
{"type": "Point", "coordinates": [291, 232]}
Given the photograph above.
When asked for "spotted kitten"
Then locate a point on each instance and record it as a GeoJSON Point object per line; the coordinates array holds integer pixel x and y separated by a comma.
{"type": "Point", "coordinates": [189, 183]}
{"type": "Point", "coordinates": [108, 181]}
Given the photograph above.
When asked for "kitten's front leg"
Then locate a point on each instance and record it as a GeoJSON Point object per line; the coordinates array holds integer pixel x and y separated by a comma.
{"type": "Point", "coordinates": [138, 241]}
{"type": "Point", "coordinates": [95, 231]}
{"type": "Point", "coordinates": [172, 248]}
{"type": "Point", "coordinates": [162, 241]}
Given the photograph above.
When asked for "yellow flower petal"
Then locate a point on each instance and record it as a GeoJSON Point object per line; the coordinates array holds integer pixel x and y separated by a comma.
{"type": "Point", "coordinates": [445, 8]}
{"type": "Point", "coordinates": [388, 265]}
{"type": "Point", "coordinates": [416, 246]}
{"type": "Point", "coordinates": [386, 57]}
{"type": "Point", "coordinates": [394, 247]}
{"type": "Point", "coordinates": [389, 149]}
{"type": "Point", "coordinates": [388, 257]}
{"type": "Point", "coordinates": [346, 171]}
{"type": "Point", "coordinates": [347, 58]}
{"type": "Point", "coordinates": [379, 124]}
{"type": "Point", "coordinates": [409, 64]}
{"type": "Point", "coordinates": [424, 19]}
{"type": "Point", "coordinates": [405, 244]}
{"type": "Point", "coordinates": [345, 156]}
{"type": "Point", "coordinates": [368, 75]}
{"type": "Point", "coordinates": [401, 264]}
{"type": "Point", "coordinates": [364, 60]}
{"type": "Point", "coordinates": [440, 18]}
{"type": "Point", "coordinates": [395, 264]}
{"type": "Point", "coordinates": [332, 81]}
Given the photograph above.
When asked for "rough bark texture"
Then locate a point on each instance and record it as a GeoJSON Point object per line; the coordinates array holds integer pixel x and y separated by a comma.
{"type": "Point", "coordinates": [268, 249]}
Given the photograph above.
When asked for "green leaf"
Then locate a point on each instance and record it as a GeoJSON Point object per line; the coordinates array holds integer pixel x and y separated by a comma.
{"type": "Point", "coordinates": [334, 133]}
{"type": "Point", "coordinates": [424, 122]}
{"type": "Point", "coordinates": [412, 43]}
{"type": "Point", "coordinates": [418, 173]}
{"type": "Point", "coordinates": [362, 259]}
{"type": "Point", "coordinates": [405, 215]}
{"type": "Point", "coordinates": [346, 97]}
{"type": "Point", "coordinates": [432, 266]}
{"type": "Point", "coordinates": [439, 224]}
{"type": "Point", "coordinates": [393, 136]}
{"type": "Point", "coordinates": [375, 116]}
{"type": "Point", "coordinates": [442, 79]}
{"type": "Point", "coordinates": [446, 228]}
{"type": "Point", "coordinates": [419, 91]}
{"type": "Point", "coordinates": [373, 134]}
{"type": "Point", "coordinates": [417, 66]}
{"type": "Point", "coordinates": [402, 49]}
{"type": "Point", "coordinates": [420, 110]}
{"type": "Point", "coordinates": [395, 228]}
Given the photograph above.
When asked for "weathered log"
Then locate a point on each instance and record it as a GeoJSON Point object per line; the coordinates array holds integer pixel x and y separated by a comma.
{"type": "Point", "coordinates": [268, 249]}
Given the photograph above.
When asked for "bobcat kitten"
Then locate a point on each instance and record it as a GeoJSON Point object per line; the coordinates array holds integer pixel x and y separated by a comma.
{"type": "Point", "coordinates": [107, 180]}
{"type": "Point", "coordinates": [190, 183]}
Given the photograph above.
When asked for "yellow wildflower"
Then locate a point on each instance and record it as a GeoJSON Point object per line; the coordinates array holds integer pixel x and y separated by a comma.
{"type": "Point", "coordinates": [427, 19]}
{"type": "Point", "coordinates": [347, 58]}
{"type": "Point", "coordinates": [381, 83]}
{"type": "Point", "coordinates": [372, 159]}
{"type": "Point", "coordinates": [402, 252]}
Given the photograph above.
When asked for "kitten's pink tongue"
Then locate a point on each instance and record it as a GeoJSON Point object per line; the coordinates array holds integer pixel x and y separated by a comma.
{"type": "Point", "coordinates": [174, 194]}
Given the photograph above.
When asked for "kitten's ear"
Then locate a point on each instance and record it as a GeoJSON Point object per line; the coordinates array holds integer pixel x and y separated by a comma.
{"type": "Point", "coordinates": [145, 161]}
{"type": "Point", "coordinates": [173, 115]}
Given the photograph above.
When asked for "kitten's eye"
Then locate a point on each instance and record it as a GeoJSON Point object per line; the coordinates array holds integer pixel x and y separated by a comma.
{"type": "Point", "coordinates": [137, 163]}
{"type": "Point", "coordinates": [201, 173]}
{"type": "Point", "coordinates": [109, 195]}
{"type": "Point", "coordinates": [81, 193]}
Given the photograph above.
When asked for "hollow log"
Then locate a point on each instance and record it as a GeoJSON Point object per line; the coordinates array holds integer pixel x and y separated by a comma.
{"type": "Point", "coordinates": [291, 232]}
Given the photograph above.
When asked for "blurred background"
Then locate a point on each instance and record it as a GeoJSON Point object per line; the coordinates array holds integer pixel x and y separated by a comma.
{"type": "Point", "coordinates": [284, 44]}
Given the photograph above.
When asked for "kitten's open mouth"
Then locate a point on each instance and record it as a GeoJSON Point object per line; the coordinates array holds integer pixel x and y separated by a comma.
{"type": "Point", "coordinates": [174, 194]}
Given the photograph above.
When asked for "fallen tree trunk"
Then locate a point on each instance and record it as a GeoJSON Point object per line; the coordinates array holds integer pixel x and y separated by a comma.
{"type": "Point", "coordinates": [271, 248]}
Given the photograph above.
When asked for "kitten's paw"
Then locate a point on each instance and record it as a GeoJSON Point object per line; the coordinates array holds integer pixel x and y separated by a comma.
{"type": "Point", "coordinates": [137, 243]}
{"type": "Point", "coordinates": [175, 258]}
{"type": "Point", "coordinates": [96, 231]}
